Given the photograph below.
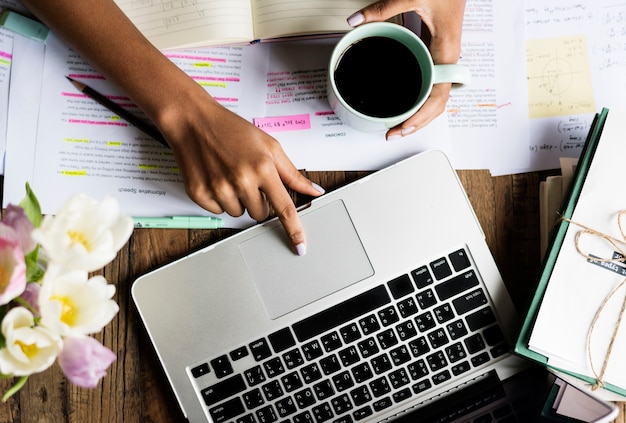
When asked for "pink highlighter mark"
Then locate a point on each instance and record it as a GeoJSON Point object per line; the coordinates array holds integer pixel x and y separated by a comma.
{"type": "Point", "coordinates": [283, 123]}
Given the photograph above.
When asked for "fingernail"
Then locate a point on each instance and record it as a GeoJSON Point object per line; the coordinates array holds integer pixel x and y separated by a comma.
{"type": "Point", "coordinates": [318, 188]}
{"type": "Point", "coordinates": [356, 19]}
{"type": "Point", "coordinates": [301, 249]}
{"type": "Point", "coordinates": [394, 137]}
{"type": "Point", "coordinates": [407, 131]}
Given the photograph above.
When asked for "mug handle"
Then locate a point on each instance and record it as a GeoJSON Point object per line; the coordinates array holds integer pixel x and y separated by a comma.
{"type": "Point", "coordinates": [458, 75]}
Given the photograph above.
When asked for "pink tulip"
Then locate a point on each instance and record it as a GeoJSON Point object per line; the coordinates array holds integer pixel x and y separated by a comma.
{"type": "Point", "coordinates": [84, 360]}
{"type": "Point", "coordinates": [12, 266]}
{"type": "Point", "coordinates": [15, 217]}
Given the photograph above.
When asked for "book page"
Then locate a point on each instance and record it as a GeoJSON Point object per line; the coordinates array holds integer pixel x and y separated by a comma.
{"type": "Point", "coordinates": [172, 24]}
{"type": "Point", "coordinates": [279, 18]}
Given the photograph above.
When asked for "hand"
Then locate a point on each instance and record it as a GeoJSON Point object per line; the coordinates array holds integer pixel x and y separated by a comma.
{"type": "Point", "coordinates": [229, 165]}
{"type": "Point", "coordinates": [444, 19]}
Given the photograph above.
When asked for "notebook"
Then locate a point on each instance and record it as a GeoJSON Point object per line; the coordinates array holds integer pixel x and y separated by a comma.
{"type": "Point", "coordinates": [397, 311]}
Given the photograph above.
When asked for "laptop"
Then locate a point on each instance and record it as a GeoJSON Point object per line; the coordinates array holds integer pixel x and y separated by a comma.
{"type": "Point", "coordinates": [396, 312]}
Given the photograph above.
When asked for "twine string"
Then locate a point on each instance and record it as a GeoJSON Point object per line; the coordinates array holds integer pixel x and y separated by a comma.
{"type": "Point", "coordinates": [618, 245]}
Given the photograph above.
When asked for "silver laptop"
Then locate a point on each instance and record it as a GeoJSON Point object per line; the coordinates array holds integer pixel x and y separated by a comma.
{"type": "Point", "coordinates": [396, 312]}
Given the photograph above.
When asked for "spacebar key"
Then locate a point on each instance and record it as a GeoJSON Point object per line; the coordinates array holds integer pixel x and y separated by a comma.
{"type": "Point", "coordinates": [341, 313]}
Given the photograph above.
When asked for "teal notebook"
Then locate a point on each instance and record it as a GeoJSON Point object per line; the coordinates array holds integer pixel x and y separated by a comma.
{"type": "Point", "coordinates": [555, 248]}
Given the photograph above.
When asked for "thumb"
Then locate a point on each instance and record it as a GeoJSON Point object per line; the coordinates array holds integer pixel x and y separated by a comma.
{"type": "Point", "coordinates": [379, 11]}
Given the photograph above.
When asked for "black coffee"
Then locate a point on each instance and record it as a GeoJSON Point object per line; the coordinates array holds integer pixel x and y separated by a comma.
{"type": "Point", "coordinates": [379, 77]}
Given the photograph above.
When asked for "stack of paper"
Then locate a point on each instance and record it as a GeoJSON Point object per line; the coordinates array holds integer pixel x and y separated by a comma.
{"type": "Point", "coordinates": [573, 287]}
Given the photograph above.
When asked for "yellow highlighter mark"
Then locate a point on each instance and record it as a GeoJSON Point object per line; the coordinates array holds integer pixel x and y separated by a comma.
{"type": "Point", "coordinates": [213, 84]}
{"type": "Point", "coordinates": [114, 144]}
{"type": "Point", "coordinates": [74, 172]}
{"type": "Point", "coordinates": [148, 167]}
{"type": "Point", "coordinates": [203, 65]}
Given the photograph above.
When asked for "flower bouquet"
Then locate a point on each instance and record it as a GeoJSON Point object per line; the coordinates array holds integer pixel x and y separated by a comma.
{"type": "Point", "coordinates": [49, 303]}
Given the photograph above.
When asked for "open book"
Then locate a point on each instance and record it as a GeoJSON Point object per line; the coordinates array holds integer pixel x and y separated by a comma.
{"type": "Point", "coordinates": [171, 24]}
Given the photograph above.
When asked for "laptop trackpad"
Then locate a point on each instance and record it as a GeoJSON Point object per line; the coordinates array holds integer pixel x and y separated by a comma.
{"type": "Point", "coordinates": [335, 259]}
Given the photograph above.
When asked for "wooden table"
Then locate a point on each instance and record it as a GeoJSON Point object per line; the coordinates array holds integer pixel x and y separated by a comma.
{"type": "Point", "coordinates": [136, 390]}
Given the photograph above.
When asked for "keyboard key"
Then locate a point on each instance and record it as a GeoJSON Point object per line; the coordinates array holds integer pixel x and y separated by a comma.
{"type": "Point", "coordinates": [379, 387]}
{"type": "Point", "coordinates": [382, 403]}
{"type": "Point", "coordinates": [343, 381]}
{"type": "Point", "coordinates": [331, 341]}
{"type": "Point", "coordinates": [422, 277]}
{"type": "Point", "coordinates": [253, 399]}
{"type": "Point", "coordinates": [310, 373]}
{"type": "Point", "coordinates": [480, 319]}
{"type": "Point", "coordinates": [368, 347]}
{"type": "Point", "coordinates": [493, 335]}
{"type": "Point", "coordinates": [312, 350]}
{"type": "Point", "coordinates": [474, 343]}
{"type": "Point", "coordinates": [239, 353]}
{"type": "Point", "coordinates": [305, 417]}
{"type": "Point", "coordinates": [455, 352]}
{"type": "Point", "coordinates": [407, 307]}
{"type": "Point", "coordinates": [223, 389]}
{"type": "Point", "coordinates": [400, 286]}
{"type": "Point", "coordinates": [406, 330]}
{"type": "Point", "coordinates": [362, 413]}
{"type": "Point", "coordinates": [343, 419]}
{"type": "Point", "coordinates": [266, 414]}
{"type": "Point", "coordinates": [292, 381]}
{"type": "Point", "coordinates": [470, 301]}
{"type": "Point", "coordinates": [402, 395]}
{"type": "Point", "coordinates": [417, 369]}
{"type": "Point", "coordinates": [272, 390]}
{"type": "Point", "coordinates": [200, 370]}
{"type": "Point", "coordinates": [381, 364]}
{"type": "Point", "coordinates": [227, 410]}
{"type": "Point", "coordinates": [369, 324]}
{"type": "Point", "coordinates": [441, 269]}
{"type": "Point", "coordinates": [443, 313]}
{"type": "Point", "coordinates": [361, 395]}
{"type": "Point", "coordinates": [441, 377]}
{"type": "Point", "coordinates": [460, 368]}
{"type": "Point", "coordinates": [323, 390]}
{"type": "Point", "coordinates": [362, 372]}
{"type": "Point", "coordinates": [456, 285]}
{"type": "Point", "coordinates": [480, 359]}
{"type": "Point", "coordinates": [456, 329]}
{"type": "Point", "coordinates": [330, 364]}
{"type": "Point", "coordinates": [425, 321]}
{"type": "Point", "coordinates": [285, 407]}
{"type": "Point", "coordinates": [387, 339]}
{"type": "Point", "coordinates": [421, 386]}
{"type": "Point", "coordinates": [281, 340]}
{"type": "Point", "coordinates": [260, 349]}
{"type": "Point", "coordinates": [419, 346]}
{"type": "Point", "coordinates": [254, 376]}
{"type": "Point", "coordinates": [399, 378]}
{"type": "Point", "coordinates": [426, 299]}
{"type": "Point", "coordinates": [293, 358]}
{"type": "Point", "coordinates": [388, 316]}
{"type": "Point", "coordinates": [304, 398]}
{"type": "Point", "coordinates": [438, 338]}
{"type": "Point", "coordinates": [222, 367]}
{"type": "Point", "coordinates": [436, 361]}
{"type": "Point", "coordinates": [400, 355]}
{"type": "Point", "coordinates": [341, 313]}
{"type": "Point", "coordinates": [459, 260]}
{"type": "Point", "coordinates": [273, 367]}
{"type": "Point", "coordinates": [322, 412]}
{"type": "Point", "coordinates": [341, 404]}
{"type": "Point", "coordinates": [350, 333]}
{"type": "Point", "coordinates": [248, 418]}
{"type": "Point", "coordinates": [349, 356]}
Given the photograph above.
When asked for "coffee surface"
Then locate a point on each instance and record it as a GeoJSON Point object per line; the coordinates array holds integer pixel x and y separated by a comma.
{"type": "Point", "coordinates": [379, 77]}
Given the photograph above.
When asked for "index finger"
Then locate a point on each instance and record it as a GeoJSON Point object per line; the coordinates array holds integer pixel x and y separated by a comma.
{"type": "Point", "coordinates": [285, 210]}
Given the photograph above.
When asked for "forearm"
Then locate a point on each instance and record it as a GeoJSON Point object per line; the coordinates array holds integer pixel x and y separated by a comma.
{"type": "Point", "coordinates": [102, 34]}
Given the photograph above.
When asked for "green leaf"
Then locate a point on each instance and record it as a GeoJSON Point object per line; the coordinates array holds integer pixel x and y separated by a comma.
{"type": "Point", "coordinates": [31, 207]}
{"type": "Point", "coordinates": [15, 388]}
{"type": "Point", "coordinates": [34, 272]}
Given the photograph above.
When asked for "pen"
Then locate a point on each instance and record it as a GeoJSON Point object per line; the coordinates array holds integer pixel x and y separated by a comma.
{"type": "Point", "coordinates": [179, 222]}
{"type": "Point", "coordinates": [120, 111]}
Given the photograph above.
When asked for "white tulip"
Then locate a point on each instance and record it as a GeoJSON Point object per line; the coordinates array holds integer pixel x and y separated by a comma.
{"type": "Point", "coordinates": [29, 349]}
{"type": "Point", "coordinates": [85, 234]}
{"type": "Point", "coordinates": [72, 304]}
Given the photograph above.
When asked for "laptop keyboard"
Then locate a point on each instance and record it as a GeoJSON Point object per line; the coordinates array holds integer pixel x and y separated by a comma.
{"type": "Point", "coordinates": [362, 356]}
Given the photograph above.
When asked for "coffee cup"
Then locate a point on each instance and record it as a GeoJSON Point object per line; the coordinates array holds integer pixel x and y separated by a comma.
{"type": "Point", "coordinates": [381, 73]}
